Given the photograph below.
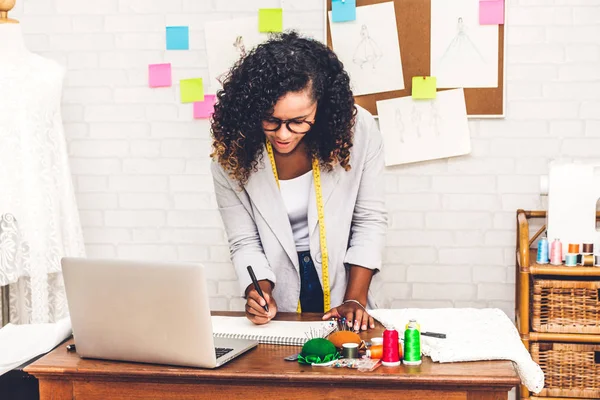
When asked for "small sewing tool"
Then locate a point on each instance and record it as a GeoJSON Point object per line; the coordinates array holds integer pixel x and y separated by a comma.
{"type": "Point", "coordinates": [375, 348]}
{"type": "Point", "coordinates": [293, 357]}
{"type": "Point", "coordinates": [350, 350]}
{"type": "Point", "coordinates": [434, 334]}
{"type": "Point", "coordinates": [338, 338]}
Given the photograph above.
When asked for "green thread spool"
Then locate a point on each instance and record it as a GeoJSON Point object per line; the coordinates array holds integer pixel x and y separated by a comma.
{"type": "Point", "coordinates": [412, 343]}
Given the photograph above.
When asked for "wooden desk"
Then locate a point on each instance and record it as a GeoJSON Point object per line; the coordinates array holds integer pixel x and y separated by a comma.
{"type": "Point", "coordinates": [263, 374]}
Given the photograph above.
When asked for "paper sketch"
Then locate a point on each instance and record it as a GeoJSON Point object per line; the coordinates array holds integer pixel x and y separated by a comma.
{"type": "Point", "coordinates": [419, 130]}
{"type": "Point", "coordinates": [399, 124]}
{"type": "Point", "coordinates": [463, 52]}
{"type": "Point", "coordinates": [226, 42]}
{"type": "Point", "coordinates": [369, 49]}
{"type": "Point", "coordinates": [239, 45]}
{"type": "Point", "coordinates": [416, 119]}
{"type": "Point", "coordinates": [436, 120]}
{"type": "Point", "coordinates": [241, 49]}
{"type": "Point", "coordinates": [462, 45]}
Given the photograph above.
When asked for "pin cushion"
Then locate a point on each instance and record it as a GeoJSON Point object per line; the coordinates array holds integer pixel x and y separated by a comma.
{"type": "Point", "coordinates": [338, 338]}
{"type": "Point", "coordinates": [318, 351]}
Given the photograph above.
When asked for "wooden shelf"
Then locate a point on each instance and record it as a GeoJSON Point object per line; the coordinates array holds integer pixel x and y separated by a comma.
{"type": "Point", "coordinates": [540, 269]}
{"type": "Point", "coordinates": [564, 337]}
{"type": "Point", "coordinates": [559, 270]}
{"type": "Point", "coordinates": [555, 398]}
{"type": "Point", "coordinates": [525, 269]}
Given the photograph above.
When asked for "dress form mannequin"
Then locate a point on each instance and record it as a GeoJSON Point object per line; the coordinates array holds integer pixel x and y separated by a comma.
{"type": "Point", "coordinates": [39, 220]}
{"type": "Point", "coordinates": [5, 7]}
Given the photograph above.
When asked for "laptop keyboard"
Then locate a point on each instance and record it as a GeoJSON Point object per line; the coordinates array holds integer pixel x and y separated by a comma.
{"type": "Point", "coordinates": [221, 351]}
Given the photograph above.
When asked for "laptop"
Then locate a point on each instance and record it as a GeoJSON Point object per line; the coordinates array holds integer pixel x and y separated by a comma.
{"type": "Point", "coordinates": [144, 311]}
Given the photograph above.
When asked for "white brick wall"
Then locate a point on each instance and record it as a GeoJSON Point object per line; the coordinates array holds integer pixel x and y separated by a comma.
{"type": "Point", "coordinates": [140, 163]}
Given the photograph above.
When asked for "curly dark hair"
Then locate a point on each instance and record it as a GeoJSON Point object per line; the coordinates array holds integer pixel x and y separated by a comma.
{"type": "Point", "coordinates": [285, 63]}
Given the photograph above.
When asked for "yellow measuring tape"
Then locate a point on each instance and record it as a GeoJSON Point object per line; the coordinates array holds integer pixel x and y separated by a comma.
{"type": "Point", "coordinates": [321, 216]}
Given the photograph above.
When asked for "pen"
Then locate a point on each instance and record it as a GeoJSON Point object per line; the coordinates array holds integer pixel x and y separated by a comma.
{"type": "Point", "coordinates": [257, 287]}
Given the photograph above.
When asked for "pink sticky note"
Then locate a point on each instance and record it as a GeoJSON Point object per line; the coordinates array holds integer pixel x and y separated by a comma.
{"type": "Point", "coordinates": [491, 12]}
{"type": "Point", "coordinates": [204, 109]}
{"type": "Point", "coordinates": [159, 75]}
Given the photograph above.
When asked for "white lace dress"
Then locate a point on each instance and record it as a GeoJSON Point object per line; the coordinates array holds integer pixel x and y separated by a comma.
{"type": "Point", "coordinates": [39, 220]}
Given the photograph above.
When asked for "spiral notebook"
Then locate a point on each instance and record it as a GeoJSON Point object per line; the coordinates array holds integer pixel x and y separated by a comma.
{"type": "Point", "coordinates": [291, 333]}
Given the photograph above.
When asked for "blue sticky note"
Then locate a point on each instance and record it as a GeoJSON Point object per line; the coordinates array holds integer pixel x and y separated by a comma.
{"type": "Point", "coordinates": [343, 10]}
{"type": "Point", "coordinates": [178, 38]}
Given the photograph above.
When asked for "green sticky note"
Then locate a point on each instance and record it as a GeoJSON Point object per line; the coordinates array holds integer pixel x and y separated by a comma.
{"type": "Point", "coordinates": [191, 90]}
{"type": "Point", "coordinates": [424, 87]}
{"type": "Point", "coordinates": [270, 20]}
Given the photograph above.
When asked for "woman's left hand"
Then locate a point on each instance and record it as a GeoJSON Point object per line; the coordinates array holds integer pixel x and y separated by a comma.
{"type": "Point", "coordinates": [356, 316]}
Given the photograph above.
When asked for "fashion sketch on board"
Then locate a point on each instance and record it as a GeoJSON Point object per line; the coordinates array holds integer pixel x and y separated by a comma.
{"type": "Point", "coordinates": [367, 51]}
{"type": "Point", "coordinates": [240, 48]}
{"type": "Point", "coordinates": [461, 47]}
{"type": "Point", "coordinates": [416, 118]}
{"type": "Point", "coordinates": [435, 118]}
{"type": "Point", "coordinates": [425, 121]}
{"type": "Point", "coordinates": [399, 124]}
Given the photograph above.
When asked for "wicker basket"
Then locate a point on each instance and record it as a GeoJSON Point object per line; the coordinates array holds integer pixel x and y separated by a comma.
{"type": "Point", "coordinates": [565, 306]}
{"type": "Point", "coordinates": [571, 370]}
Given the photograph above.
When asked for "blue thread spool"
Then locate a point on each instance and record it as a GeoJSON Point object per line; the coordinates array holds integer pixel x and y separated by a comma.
{"type": "Point", "coordinates": [571, 259]}
{"type": "Point", "coordinates": [543, 256]}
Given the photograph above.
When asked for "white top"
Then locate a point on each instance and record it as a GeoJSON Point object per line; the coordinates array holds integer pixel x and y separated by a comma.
{"type": "Point", "coordinates": [296, 193]}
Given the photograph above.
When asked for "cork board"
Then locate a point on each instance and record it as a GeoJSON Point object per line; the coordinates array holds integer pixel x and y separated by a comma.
{"type": "Point", "coordinates": [413, 19]}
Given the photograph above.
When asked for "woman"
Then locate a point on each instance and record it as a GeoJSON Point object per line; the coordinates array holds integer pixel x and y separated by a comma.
{"type": "Point", "coordinates": [292, 150]}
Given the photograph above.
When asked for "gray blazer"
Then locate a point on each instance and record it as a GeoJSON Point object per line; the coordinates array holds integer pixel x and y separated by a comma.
{"type": "Point", "coordinates": [260, 234]}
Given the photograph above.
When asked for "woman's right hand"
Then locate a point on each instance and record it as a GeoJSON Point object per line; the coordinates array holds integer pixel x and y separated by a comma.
{"type": "Point", "coordinates": [255, 311]}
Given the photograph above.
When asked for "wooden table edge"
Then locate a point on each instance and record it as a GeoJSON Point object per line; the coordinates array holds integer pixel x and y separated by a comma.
{"type": "Point", "coordinates": [176, 375]}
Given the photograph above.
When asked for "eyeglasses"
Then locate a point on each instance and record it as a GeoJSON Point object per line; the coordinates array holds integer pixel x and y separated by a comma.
{"type": "Point", "coordinates": [272, 124]}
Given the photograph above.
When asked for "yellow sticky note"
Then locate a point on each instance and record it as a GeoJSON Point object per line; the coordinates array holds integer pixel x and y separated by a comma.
{"type": "Point", "coordinates": [424, 87]}
{"type": "Point", "coordinates": [270, 20]}
{"type": "Point", "coordinates": [191, 90]}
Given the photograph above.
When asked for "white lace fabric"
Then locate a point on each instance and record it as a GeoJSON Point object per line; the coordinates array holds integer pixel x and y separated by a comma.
{"type": "Point", "coordinates": [39, 219]}
{"type": "Point", "coordinates": [471, 335]}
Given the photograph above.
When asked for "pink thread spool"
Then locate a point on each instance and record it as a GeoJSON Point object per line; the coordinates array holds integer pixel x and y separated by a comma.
{"type": "Point", "coordinates": [556, 255]}
{"type": "Point", "coordinates": [391, 356]}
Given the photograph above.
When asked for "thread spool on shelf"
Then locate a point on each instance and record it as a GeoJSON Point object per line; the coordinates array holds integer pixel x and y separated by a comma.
{"type": "Point", "coordinates": [587, 248]}
{"type": "Point", "coordinates": [571, 259]}
{"type": "Point", "coordinates": [573, 248]}
{"type": "Point", "coordinates": [543, 253]}
{"type": "Point", "coordinates": [556, 252]}
{"type": "Point", "coordinates": [587, 260]}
